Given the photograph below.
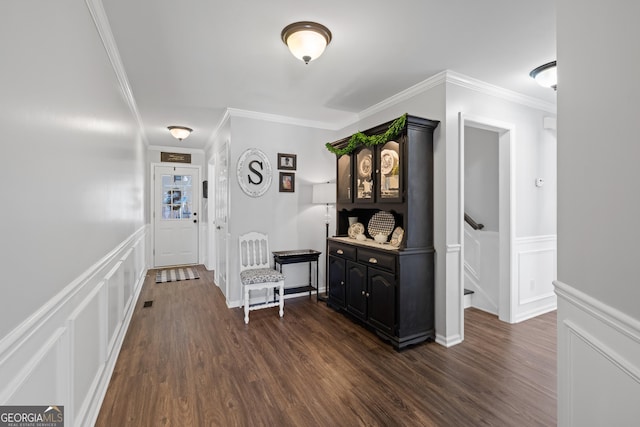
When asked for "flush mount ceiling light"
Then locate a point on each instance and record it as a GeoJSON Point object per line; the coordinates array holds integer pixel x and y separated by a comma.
{"type": "Point", "coordinates": [306, 40]}
{"type": "Point", "coordinates": [546, 75]}
{"type": "Point", "coordinates": [180, 132]}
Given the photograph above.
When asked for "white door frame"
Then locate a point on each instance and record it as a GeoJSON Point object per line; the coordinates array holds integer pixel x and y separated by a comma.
{"type": "Point", "coordinates": [210, 238]}
{"type": "Point", "coordinates": [215, 235]}
{"type": "Point", "coordinates": [506, 210]}
{"type": "Point", "coordinates": [152, 200]}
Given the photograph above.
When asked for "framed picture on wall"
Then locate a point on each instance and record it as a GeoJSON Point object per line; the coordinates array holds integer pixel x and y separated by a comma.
{"type": "Point", "coordinates": [287, 161]}
{"type": "Point", "coordinates": [287, 182]}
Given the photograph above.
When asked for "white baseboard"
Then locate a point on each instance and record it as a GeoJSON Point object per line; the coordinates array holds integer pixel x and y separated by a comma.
{"type": "Point", "coordinates": [448, 341]}
{"type": "Point", "coordinates": [65, 352]}
{"type": "Point", "coordinates": [537, 311]}
{"type": "Point", "coordinates": [598, 362]}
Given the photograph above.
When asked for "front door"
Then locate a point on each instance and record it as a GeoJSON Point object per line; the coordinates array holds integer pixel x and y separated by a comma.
{"type": "Point", "coordinates": [176, 206]}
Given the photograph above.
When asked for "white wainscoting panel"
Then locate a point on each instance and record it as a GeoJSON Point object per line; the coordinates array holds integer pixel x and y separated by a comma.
{"type": "Point", "coordinates": [114, 280]}
{"type": "Point", "coordinates": [129, 272]}
{"type": "Point", "coordinates": [481, 268]}
{"type": "Point", "coordinates": [598, 362]}
{"type": "Point", "coordinates": [535, 269]}
{"type": "Point", "coordinates": [64, 354]}
{"type": "Point", "coordinates": [86, 350]}
{"type": "Point", "coordinates": [44, 367]}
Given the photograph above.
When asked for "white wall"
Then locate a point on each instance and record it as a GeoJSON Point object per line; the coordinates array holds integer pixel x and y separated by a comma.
{"type": "Point", "coordinates": [424, 100]}
{"type": "Point", "coordinates": [534, 153]}
{"type": "Point", "coordinates": [73, 233]}
{"type": "Point", "coordinates": [442, 97]}
{"type": "Point", "coordinates": [529, 287]}
{"type": "Point", "coordinates": [481, 176]}
{"type": "Point", "coordinates": [598, 209]}
{"type": "Point", "coordinates": [290, 219]}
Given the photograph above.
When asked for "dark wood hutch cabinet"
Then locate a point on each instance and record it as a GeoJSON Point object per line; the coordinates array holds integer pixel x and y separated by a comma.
{"type": "Point", "coordinates": [389, 289]}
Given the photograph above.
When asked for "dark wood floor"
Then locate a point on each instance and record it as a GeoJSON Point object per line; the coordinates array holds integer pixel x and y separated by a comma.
{"type": "Point", "coordinates": [190, 361]}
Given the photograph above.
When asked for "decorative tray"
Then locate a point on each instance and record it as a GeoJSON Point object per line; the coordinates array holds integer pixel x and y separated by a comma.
{"type": "Point", "coordinates": [381, 222]}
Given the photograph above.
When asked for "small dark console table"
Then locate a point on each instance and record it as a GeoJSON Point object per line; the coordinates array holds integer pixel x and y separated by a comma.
{"type": "Point", "coordinates": [294, 257]}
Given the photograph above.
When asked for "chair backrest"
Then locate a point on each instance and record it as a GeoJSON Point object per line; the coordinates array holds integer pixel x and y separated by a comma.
{"type": "Point", "coordinates": [254, 251]}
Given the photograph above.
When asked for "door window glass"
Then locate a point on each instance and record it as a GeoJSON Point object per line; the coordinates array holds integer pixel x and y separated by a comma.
{"type": "Point", "coordinates": [176, 197]}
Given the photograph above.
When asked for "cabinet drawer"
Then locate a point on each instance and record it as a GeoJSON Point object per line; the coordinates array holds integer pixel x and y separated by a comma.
{"type": "Point", "coordinates": [341, 250]}
{"type": "Point", "coordinates": [377, 259]}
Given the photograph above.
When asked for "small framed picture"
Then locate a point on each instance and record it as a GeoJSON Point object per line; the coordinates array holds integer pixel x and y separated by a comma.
{"type": "Point", "coordinates": [287, 161]}
{"type": "Point", "coordinates": [287, 182]}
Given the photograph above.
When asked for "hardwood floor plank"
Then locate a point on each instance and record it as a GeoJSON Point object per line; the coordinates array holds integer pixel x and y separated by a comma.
{"type": "Point", "coordinates": [190, 361]}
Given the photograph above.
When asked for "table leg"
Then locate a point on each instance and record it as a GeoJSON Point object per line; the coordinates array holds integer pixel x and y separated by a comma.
{"type": "Point", "coordinates": [310, 282]}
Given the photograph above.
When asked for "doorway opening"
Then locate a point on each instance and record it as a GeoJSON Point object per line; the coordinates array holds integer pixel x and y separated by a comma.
{"type": "Point", "coordinates": [500, 214]}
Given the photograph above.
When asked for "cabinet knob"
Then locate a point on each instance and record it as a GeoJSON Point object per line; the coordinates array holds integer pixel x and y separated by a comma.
{"type": "Point", "coordinates": [362, 292]}
{"type": "Point", "coordinates": [339, 251]}
{"type": "Point", "coordinates": [367, 295]}
{"type": "Point", "coordinates": [342, 282]}
{"type": "Point", "coordinates": [373, 260]}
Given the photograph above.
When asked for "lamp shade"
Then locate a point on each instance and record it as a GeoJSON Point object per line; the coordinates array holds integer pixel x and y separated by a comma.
{"type": "Point", "coordinates": [306, 40]}
{"type": "Point", "coordinates": [324, 193]}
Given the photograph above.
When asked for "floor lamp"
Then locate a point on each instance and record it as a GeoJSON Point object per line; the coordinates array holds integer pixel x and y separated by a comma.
{"type": "Point", "coordinates": [325, 194]}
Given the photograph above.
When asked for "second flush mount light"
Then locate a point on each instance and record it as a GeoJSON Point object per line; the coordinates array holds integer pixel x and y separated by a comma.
{"type": "Point", "coordinates": [546, 75]}
{"type": "Point", "coordinates": [180, 132]}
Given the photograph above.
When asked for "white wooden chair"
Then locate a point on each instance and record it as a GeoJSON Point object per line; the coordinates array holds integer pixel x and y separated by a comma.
{"type": "Point", "coordinates": [256, 272]}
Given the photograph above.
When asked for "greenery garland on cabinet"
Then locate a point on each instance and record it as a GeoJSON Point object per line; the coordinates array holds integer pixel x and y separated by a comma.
{"type": "Point", "coordinates": [359, 138]}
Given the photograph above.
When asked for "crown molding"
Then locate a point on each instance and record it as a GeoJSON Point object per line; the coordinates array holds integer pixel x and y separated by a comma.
{"type": "Point", "coordinates": [418, 88]}
{"type": "Point", "coordinates": [210, 141]}
{"type": "Point", "coordinates": [467, 82]}
{"type": "Point", "coordinates": [175, 149]}
{"type": "Point", "coordinates": [96, 9]}
{"type": "Point", "coordinates": [276, 118]}
{"type": "Point", "coordinates": [443, 77]}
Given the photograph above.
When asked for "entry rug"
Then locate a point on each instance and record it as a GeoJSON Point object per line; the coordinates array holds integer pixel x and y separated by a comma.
{"type": "Point", "coordinates": [176, 274]}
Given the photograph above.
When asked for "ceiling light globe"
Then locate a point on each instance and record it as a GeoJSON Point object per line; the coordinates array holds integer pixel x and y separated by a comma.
{"type": "Point", "coordinates": [306, 45]}
{"type": "Point", "coordinates": [180, 132]}
{"type": "Point", "coordinates": [546, 75]}
{"type": "Point", "coordinates": [306, 40]}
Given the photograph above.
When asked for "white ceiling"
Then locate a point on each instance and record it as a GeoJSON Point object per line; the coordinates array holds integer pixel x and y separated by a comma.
{"type": "Point", "coordinates": [189, 60]}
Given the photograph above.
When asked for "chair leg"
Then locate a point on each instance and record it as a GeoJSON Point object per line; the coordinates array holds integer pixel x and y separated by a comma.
{"type": "Point", "coordinates": [246, 305]}
{"type": "Point", "coordinates": [281, 299]}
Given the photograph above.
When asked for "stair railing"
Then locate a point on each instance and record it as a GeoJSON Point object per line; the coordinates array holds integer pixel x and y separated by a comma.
{"type": "Point", "coordinates": [472, 223]}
